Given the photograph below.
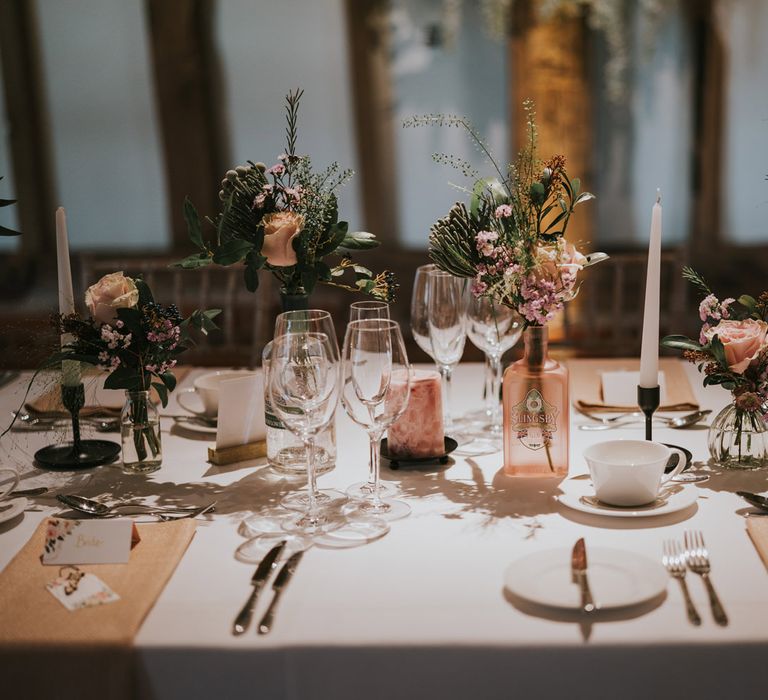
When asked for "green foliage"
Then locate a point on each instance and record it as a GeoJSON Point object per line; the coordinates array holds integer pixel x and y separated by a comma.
{"type": "Point", "coordinates": [680, 342]}
{"type": "Point", "coordinates": [697, 280]}
{"type": "Point", "coordinates": [451, 241]}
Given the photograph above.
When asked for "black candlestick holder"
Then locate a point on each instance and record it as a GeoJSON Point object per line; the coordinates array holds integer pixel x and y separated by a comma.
{"type": "Point", "coordinates": [78, 454]}
{"type": "Point", "coordinates": [648, 399]}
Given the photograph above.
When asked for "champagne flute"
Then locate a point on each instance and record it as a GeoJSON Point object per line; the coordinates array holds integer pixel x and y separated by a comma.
{"type": "Point", "coordinates": [376, 381]}
{"type": "Point", "coordinates": [303, 387]}
{"type": "Point", "coordinates": [494, 329]}
{"type": "Point", "coordinates": [359, 311]}
{"type": "Point", "coordinates": [419, 308]}
{"type": "Point", "coordinates": [370, 308]}
{"type": "Point", "coordinates": [446, 319]}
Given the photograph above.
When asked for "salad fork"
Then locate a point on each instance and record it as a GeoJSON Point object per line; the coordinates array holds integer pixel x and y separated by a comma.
{"type": "Point", "coordinates": [697, 557]}
{"type": "Point", "coordinates": [674, 561]}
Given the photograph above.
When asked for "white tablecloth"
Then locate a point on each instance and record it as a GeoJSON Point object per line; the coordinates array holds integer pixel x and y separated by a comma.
{"type": "Point", "coordinates": [422, 613]}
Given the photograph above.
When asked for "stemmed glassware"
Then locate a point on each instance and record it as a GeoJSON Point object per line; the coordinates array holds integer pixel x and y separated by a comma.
{"type": "Point", "coordinates": [419, 308]}
{"type": "Point", "coordinates": [446, 321]}
{"type": "Point", "coordinates": [310, 321]}
{"type": "Point", "coordinates": [494, 329]}
{"type": "Point", "coordinates": [376, 381]}
{"type": "Point", "coordinates": [360, 311]}
{"type": "Point", "coordinates": [303, 387]}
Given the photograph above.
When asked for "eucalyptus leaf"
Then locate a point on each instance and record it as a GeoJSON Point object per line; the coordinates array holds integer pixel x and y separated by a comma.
{"type": "Point", "coordinates": [359, 240]}
{"type": "Point", "coordinates": [680, 342]}
{"type": "Point", "coordinates": [193, 223]}
{"type": "Point", "coordinates": [232, 252]}
{"type": "Point", "coordinates": [194, 261]}
{"type": "Point", "coordinates": [594, 258]}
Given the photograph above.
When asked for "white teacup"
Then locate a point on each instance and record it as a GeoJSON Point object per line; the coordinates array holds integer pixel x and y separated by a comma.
{"type": "Point", "coordinates": [630, 472]}
{"type": "Point", "coordinates": [206, 386]}
{"type": "Point", "coordinates": [5, 489]}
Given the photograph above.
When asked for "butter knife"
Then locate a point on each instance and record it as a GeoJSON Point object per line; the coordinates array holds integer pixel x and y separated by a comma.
{"type": "Point", "coordinates": [261, 575]}
{"type": "Point", "coordinates": [281, 581]}
{"type": "Point", "coordinates": [579, 575]}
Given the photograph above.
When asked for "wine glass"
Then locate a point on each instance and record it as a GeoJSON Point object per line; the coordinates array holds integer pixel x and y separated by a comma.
{"type": "Point", "coordinates": [494, 329]}
{"type": "Point", "coordinates": [309, 321]}
{"type": "Point", "coordinates": [303, 387]}
{"type": "Point", "coordinates": [446, 321]}
{"type": "Point", "coordinates": [376, 381]}
{"type": "Point", "coordinates": [370, 308]}
{"type": "Point", "coordinates": [359, 311]}
{"type": "Point", "coordinates": [419, 317]}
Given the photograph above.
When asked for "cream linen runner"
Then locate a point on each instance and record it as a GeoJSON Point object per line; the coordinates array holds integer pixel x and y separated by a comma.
{"type": "Point", "coordinates": [48, 652]}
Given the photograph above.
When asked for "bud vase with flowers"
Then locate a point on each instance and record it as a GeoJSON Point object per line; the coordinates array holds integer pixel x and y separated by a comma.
{"type": "Point", "coordinates": [511, 244]}
{"type": "Point", "coordinates": [138, 342]}
{"type": "Point", "coordinates": [732, 351]}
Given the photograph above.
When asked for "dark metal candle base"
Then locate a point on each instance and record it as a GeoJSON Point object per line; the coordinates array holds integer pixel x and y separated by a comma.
{"type": "Point", "coordinates": [648, 399]}
{"type": "Point", "coordinates": [78, 454]}
{"type": "Point", "coordinates": [92, 453]}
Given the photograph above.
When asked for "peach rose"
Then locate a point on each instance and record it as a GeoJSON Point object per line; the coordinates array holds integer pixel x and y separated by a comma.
{"type": "Point", "coordinates": [280, 229]}
{"type": "Point", "coordinates": [743, 341]}
{"type": "Point", "coordinates": [111, 292]}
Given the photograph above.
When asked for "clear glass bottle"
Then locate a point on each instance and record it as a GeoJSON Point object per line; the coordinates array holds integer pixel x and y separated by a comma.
{"type": "Point", "coordinates": [738, 439]}
{"type": "Point", "coordinates": [140, 434]}
{"type": "Point", "coordinates": [285, 452]}
{"type": "Point", "coordinates": [536, 411]}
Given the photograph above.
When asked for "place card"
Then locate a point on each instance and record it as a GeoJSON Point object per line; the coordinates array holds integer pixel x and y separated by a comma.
{"type": "Point", "coordinates": [88, 541]}
{"type": "Point", "coordinates": [75, 589]}
{"type": "Point", "coordinates": [241, 411]}
{"type": "Point", "coordinates": [620, 388]}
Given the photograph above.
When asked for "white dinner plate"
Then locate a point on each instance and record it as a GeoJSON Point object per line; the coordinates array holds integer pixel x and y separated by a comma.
{"type": "Point", "coordinates": [11, 508]}
{"type": "Point", "coordinates": [195, 427]}
{"type": "Point", "coordinates": [579, 494]}
{"type": "Point", "coordinates": [617, 578]}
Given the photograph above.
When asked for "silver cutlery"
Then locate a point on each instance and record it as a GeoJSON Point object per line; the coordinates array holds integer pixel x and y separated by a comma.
{"type": "Point", "coordinates": [697, 558]}
{"type": "Point", "coordinates": [28, 421]}
{"type": "Point", "coordinates": [754, 499]}
{"type": "Point", "coordinates": [29, 492]}
{"type": "Point", "coordinates": [677, 423]}
{"type": "Point", "coordinates": [674, 561]}
{"type": "Point", "coordinates": [263, 571]}
{"type": "Point", "coordinates": [97, 509]}
{"type": "Point", "coordinates": [168, 516]}
{"type": "Point", "coordinates": [579, 575]}
{"type": "Point", "coordinates": [281, 581]}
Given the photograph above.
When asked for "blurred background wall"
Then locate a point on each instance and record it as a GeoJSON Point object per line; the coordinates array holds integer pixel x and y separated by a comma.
{"type": "Point", "coordinates": [118, 109]}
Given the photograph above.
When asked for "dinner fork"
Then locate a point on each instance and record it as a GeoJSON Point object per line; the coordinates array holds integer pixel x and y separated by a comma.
{"type": "Point", "coordinates": [673, 560]}
{"type": "Point", "coordinates": [697, 556]}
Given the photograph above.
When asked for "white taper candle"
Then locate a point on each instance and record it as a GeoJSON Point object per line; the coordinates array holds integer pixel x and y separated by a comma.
{"type": "Point", "coordinates": [70, 371]}
{"type": "Point", "coordinates": [649, 353]}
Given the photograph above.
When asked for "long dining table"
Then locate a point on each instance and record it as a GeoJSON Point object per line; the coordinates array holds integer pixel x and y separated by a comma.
{"type": "Point", "coordinates": [423, 611]}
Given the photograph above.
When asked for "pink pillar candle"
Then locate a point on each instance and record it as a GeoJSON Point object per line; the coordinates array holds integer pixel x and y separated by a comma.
{"type": "Point", "coordinates": [419, 431]}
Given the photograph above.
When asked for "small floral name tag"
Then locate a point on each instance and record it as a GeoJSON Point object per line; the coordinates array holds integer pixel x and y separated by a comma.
{"type": "Point", "coordinates": [87, 541]}
{"type": "Point", "coordinates": [75, 589]}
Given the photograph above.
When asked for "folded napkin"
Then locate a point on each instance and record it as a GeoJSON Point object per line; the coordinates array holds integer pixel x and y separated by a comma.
{"type": "Point", "coordinates": [586, 386]}
{"type": "Point", "coordinates": [47, 651]}
{"type": "Point", "coordinates": [758, 531]}
{"type": "Point", "coordinates": [98, 400]}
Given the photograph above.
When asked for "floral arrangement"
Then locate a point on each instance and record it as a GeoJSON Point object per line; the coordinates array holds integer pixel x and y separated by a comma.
{"type": "Point", "coordinates": [511, 241]}
{"type": "Point", "coordinates": [732, 348]}
{"type": "Point", "coordinates": [284, 219]}
{"type": "Point", "coordinates": [129, 335]}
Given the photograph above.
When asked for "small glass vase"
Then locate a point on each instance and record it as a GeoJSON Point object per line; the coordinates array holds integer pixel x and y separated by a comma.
{"type": "Point", "coordinates": [140, 434]}
{"type": "Point", "coordinates": [738, 439]}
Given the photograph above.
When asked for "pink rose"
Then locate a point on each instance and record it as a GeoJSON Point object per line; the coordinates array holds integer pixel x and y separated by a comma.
{"type": "Point", "coordinates": [280, 229]}
{"type": "Point", "coordinates": [111, 292]}
{"type": "Point", "coordinates": [743, 341]}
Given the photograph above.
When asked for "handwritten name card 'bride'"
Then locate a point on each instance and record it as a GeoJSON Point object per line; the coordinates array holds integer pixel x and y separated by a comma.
{"type": "Point", "coordinates": [87, 541]}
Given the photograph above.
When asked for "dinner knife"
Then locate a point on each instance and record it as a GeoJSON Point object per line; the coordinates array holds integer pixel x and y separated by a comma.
{"type": "Point", "coordinates": [281, 581]}
{"type": "Point", "coordinates": [261, 575]}
{"type": "Point", "coordinates": [579, 575]}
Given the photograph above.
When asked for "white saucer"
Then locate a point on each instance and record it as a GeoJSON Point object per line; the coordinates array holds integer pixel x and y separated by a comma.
{"type": "Point", "coordinates": [9, 509]}
{"type": "Point", "coordinates": [617, 578]}
{"type": "Point", "coordinates": [673, 498]}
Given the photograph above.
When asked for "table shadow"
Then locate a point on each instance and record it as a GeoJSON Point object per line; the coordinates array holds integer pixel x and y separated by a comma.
{"type": "Point", "coordinates": [585, 621]}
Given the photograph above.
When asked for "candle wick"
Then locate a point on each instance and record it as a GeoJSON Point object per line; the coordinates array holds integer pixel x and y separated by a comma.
{"type": "Point", "coordinates": [658, 195]}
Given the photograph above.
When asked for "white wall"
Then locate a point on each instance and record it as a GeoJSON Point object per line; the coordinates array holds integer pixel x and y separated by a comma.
{"type": "Point", "coordinates": [468, 79]}
{"type": "Point", "coordinates": [106, 149]}
{"type": "Point", "coordinates": [269, 48]}
{"type": "Point", "coordinates": [744, 185]}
